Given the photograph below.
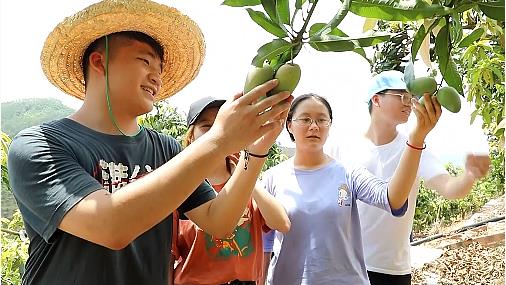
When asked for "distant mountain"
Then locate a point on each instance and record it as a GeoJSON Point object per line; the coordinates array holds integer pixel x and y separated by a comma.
{"type": "Point", "coordinates": [18, 115]}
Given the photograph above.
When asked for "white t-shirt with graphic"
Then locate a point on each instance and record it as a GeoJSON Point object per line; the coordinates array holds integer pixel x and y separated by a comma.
{"type": "Point", "coordinates": [324, 245]}
{"type": "Point", "coordinates": [386, 238]}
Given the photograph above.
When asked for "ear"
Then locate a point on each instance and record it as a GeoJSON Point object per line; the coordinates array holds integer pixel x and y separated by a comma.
{"type": "Point", "coordinates": [290, 127]}
{"type": "Point", "coordinates": [375, 100]}
{"type": "Point", "coordinates": [97, 62]}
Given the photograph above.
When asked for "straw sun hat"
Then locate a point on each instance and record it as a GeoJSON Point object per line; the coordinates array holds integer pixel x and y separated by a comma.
{"type": "Point", "coordinates": [181, 39]}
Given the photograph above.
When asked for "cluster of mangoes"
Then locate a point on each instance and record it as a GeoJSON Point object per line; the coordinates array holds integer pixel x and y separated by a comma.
{"type": "Point", "coordinates": [288, 76]}
{"type": "Point", "coordinates": [447, 96]}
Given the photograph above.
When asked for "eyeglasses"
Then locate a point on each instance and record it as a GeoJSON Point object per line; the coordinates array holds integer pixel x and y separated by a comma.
{"type": "Point", "coordinates": [306, 122]}
{"type": "Point", "coordinates": [405, 97]}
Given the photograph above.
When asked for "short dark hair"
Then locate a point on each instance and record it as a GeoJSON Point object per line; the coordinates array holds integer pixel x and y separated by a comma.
{"type": "Point", "coordinates": [99, 44]}
{"type": "Point", "coordinates": [297, 101]}
{"type": "Point", "coordinates": [369, 105]}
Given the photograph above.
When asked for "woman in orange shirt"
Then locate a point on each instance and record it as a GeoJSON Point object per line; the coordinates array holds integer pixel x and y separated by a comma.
{"type": "Point", "coordinates": [238, 258]}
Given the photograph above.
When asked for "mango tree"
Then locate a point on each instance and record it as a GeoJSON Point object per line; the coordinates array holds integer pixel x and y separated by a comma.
{"type": "Point", "coordinates": [441, 18]}
{"type": "Point", "coordinates": [275, 17]}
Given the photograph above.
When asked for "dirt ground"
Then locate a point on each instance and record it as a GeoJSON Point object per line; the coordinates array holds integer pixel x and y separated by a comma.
{"type": "Point", "coordinates": [474, 256]}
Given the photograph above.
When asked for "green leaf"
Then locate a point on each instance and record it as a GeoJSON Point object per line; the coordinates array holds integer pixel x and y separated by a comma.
{"type": "Point", "coordinates": [417, 41]}
{"type": "Point", "coordinates": [452, 76]}
{"type": "Point", "coordinates": [493, 9]}
{"type": "Point", "coordinates": [283, 11]}
{"type": "Point", "coordinates": [420, 36]}
{"type": "Point", "coordinates": [270, 8]}
{"type": "Point", "coordinates": [264, 22]}
{"type": "Point", "coordinates": [501, 125]}
{"type": "Point", "coordinates": [285, 57]}
{"type": "Point", "coordinates": [471, 38]}
{"type": "Point", "coordinates": [240, 3]}
{"type": "Point", "coordinates": [299, 3]}
{"type": "Point", "coordinates": [447, 66]}
{"type": "Point", "coordinates": [397, 10]}
{"type": "Point", "coordinates": [364, 40]}
{"type": "Point", "coordinates": [336, 45]}
{"type": "Point", "coordinates": [270, 51]}
{"type": "Point", "coordinates": [455, 29]}
{"type": "Point", "coordinates": [442, 47]}
{"type": "Point", "coordinates": [409, 73]}
{"type": "Point", "coordinates": [339, 43]}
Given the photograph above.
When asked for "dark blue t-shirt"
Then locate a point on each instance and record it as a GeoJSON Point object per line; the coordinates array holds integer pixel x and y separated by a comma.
{"type": "Point", "coordinates": [55, 165]}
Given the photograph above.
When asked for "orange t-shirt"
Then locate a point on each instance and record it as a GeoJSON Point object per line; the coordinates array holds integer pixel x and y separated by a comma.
{"type": "Point", "coordinates": [204, 259]}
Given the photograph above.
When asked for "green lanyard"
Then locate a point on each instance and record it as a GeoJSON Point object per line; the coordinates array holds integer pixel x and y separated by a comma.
{"type": "Point", "coordinates": [111, 115]}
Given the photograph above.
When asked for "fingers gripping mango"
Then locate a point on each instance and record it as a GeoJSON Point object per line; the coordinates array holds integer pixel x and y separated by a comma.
{"type": "Point", "coordinates": [288, 76]}
{"type": "Point", "coordinates": [448, 97]}
{"type": "Point", "coordinates": [257, 76]}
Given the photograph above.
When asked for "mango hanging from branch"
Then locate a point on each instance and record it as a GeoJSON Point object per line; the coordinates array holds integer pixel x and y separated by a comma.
{"type": "Point", "coordinates": [449, 98]}
{"type": "Point", "coordinates": [288, 76]}
{"type": "Point", "coordinates": [422, 85]}
{"type": "Point", "coordinates": [257, 76]}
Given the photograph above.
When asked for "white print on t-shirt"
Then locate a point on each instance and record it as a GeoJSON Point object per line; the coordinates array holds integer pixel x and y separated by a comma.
{"type": "Point", "coordinates": [115, 176]}
{"type": "Point", "coordinates": [246, 216]}
{"type": "Point", "coordinates": [344, 195]}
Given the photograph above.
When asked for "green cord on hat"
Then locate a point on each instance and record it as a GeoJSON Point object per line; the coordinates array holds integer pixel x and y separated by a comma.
{"type": "Point", "coordinates": [111, 115]}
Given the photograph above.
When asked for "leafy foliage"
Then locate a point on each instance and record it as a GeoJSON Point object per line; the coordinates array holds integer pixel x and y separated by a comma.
{"type": "Point", "coordinates": [18, 115]}
{"type": "Point", "coordinates": [483, 63]}
{"type": "Point", "coordinates": [432, 209]}
{"type": "Point", "coordinates": [166, 120]}
{"type": "Point", "coordinates": [8, 202]}
{"type": "Point", "coordinates": [276, 156]}
{"type": "Point", "coordinates": [442, 20]}
{"type": "Point", "coordinates": [279, 21]}
{"type": "Point", "coordinates": [392, 54]}
{"type": "Point", "coordinates": [14, 249]}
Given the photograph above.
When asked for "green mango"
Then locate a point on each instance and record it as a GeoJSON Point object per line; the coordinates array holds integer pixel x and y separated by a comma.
{"type": "Point", "coordinates": [422, 85]}
{"type": "Point", "coordinates": [257, 76]}
{"type": "Point", "coordinates": [449, 98]}
{"type": "Point", "coordinates": [288, 76]}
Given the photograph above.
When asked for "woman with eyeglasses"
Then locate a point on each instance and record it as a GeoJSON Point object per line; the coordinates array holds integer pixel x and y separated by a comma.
{"type": "Point", "coordinates": [324, 244]}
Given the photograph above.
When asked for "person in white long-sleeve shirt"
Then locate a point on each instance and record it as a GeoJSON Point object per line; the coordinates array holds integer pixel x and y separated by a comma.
{"type": "Point", "coordinates": [386, 238]}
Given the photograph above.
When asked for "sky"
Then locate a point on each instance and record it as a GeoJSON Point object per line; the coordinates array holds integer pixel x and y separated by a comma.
{"type": "Point", "coordinates": [232, 39]}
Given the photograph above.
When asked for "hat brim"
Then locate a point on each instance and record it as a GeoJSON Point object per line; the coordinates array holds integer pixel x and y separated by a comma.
{"type": "Point", "coordinates": [180, 38]}
{"type": "Point", "coordinates": [215, 103]}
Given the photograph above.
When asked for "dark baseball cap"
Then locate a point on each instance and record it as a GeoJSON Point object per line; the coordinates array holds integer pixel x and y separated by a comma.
{"type": "Point", "coordinates": [197, 107]}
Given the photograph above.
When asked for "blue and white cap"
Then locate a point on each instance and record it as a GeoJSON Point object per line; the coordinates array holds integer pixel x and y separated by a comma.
{"type": "Point", "coordinates": [391, 79]}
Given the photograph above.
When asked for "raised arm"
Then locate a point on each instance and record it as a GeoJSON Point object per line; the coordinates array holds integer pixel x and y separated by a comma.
{"type": "Point", "coordinates": [450, 187]}
{"type": "Point", "coordinates": [400, 184]}
{"type": "Point", "coordinates": [220, 216]}
{"type": "Point", "coordinates": [101, 217]}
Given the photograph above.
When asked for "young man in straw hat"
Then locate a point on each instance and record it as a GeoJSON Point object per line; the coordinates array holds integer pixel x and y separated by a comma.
{"type": "Point", "coordinates": [90, 217]}
{"type": "Point", "coordinates": [385, 238]}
